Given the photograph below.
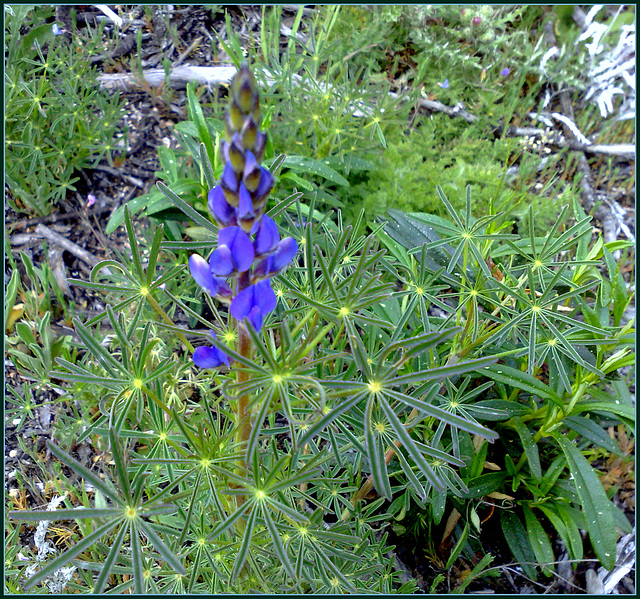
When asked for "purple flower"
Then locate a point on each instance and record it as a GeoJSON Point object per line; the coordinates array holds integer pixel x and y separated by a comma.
{"type": "Point", "coordinates": [234, 254]}
{"type": "Point", "coordinates": [264, 187]}
{"type": "Point", "coordinates": [267, 236]}
{"type": "Point", "coordinates": [201, 272]}
{"type": "Point", "coordinates": [505, 72]}
{"type": "Point", "coordinates": [476, 21]}
{"type": "Point", "coordinates": [444, 84]}
{"type": "Point", "coordinates": [276, 262]}
{"type": "Point", "coordinates": [254, 302]}
{"type": "Point", "coordinates": [209, 357]}
{"type": "Point", "coordinates": [223, 212]}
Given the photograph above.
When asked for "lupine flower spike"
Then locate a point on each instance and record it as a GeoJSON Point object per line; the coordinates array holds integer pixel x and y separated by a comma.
{"type": "Point", "coordinates": [249, 250]}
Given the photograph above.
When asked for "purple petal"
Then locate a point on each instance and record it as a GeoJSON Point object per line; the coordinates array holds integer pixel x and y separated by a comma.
{"type": "Point", "coordinates": [224, 212]}
{"type": "Point", "coordinates": [221, 261]}
{"type": "Point", "coordinates": [201, 272]}
{"type": "Point", "coordinates": [263, 269]}
{"type": "Point", "coordinates": [223, 288]}
{"type": "Point", "coordinates": [245, 207]}
{"type": "Point", "coordinates": [287, 249]}
{"type": "Point", "coordinates": [260, 295]}
{"type": "Point", "coordinates": [255, 318]}
{"type": "Point", "coordinates": [260, 145]}
{"type": "Point", "coordinates": [209, 357]}
{"type": "Point", "coordinates": [229, 180]}
{"type": "Point", "coordinates": [444, 84]}
{"type": "Point", "coordinates": [265, 296]}
{"type": "Point", "coordinates": [240, 245]}
{"type": "Point", "coordinates": [266, 183]}
{"type": "Point", "coordinates": [267, 237]}
{"type": "Point", "coordinates": [252, 172]}
{"type": "Point", "coordinates": [242, 303]}
{"type": "Point", "coordinates": [505, 72]}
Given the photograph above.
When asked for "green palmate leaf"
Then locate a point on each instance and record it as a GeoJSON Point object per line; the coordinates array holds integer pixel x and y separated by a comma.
{"type": "Point", "coordinates": [65, 514]}
{"type": "Point", "coordinates": [327, 419]}
{"type": "Point", "coordinates": [98, 351]}
{"type": "Point", "coordinates": [245, 545]}
{"type": "Point", "coordinates": [530, 448]}
{"type": "Point", "coordinates": [443, 415]}
{"type": "Point", "coordinates": [375, 452]}
{"type": "Point", "coordinates": [441, 372]}
{"type": "Point", "coordinates": [197, 116]}
{"type": "Point", "coordinates": [207, 168]}
{"type": "Point", "coordinates": [477, 571]}
{"type": "Point", "coordinates": [595, 504]}
{"type": "Point", "coordinates": [518, 541]}
{"type": "Point", "coordinates": [540, 542]}
{"type": "Point", "coordinates": [411, 447]}
{"type": "Point", "coordinates": [522, 380]}
{"type": "Point", "coordinates": [614, 407]}
{"type": "Point", "coordinates": [85, 473]}
{"type": "Point", "coordinates": [160, 546]}
{"type": "Point", "coordinates": [498, 409]}
{"type": "Point", "coordinates": [101, 582]}
{"type": "Point", "coordinates": [485, 484]}
{"type": "Point", "coordinates": [457, 550]}
{"type": "Point", "coordinates": [315, 167]}
{"type": "Point", "coordinates": [418, 344]}
{"type": "Point", "coordinates": [11, 293]}
{"type": "Point", "coordinates": [121, 468]}
{"type": "Point", "coordinates": [136, 560]}
{"type": "Point", "coordinates": [281, 552]}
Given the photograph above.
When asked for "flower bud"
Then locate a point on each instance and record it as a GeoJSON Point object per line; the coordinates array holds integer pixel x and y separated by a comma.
{"type": "Point", "coordinates": [252, 172]}
{"type": "Point", "coordinates": [249, 134]}
{"type": "Point", "coordinates": [236, 118]}
{"type": "Point", "coordinates": [236, 155]}
{"type": "Point", "coordinates": [223, 212]}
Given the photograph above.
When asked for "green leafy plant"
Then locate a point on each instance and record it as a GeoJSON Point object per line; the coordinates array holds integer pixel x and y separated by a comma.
{"type": "Point", "coordinates": [352, 380]}
{"type": "Point", "coordinates": [521, 299]}
{"type": "Point", "coordinates": [56, 121]}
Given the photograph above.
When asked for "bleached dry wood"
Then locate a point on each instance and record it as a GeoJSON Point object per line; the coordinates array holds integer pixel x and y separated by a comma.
{"type": "Point", "coordinates": [179, 77]}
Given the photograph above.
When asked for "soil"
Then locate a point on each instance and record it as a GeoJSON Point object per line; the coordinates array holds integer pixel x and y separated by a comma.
{"type": "Point", "coordinates": [28, 463]}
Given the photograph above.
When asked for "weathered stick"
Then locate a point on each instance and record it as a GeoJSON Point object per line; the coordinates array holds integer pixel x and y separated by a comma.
{"type": "Point", "coordinates": [64, 243]}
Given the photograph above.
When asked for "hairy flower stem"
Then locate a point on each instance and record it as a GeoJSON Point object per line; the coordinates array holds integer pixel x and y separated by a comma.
{"type": "Point", "coordinates": [243, 412]}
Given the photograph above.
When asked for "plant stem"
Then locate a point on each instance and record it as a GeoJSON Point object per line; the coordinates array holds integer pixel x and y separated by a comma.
{"type": "Point", "coordinates": [156, 306]}
{"type": "Point", "coordinates": [243, 412]}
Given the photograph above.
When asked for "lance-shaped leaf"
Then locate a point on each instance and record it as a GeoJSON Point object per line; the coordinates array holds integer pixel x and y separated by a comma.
{"type": "Point", "coordinates": [375, 452]}
{"type": "Point", "coordinates": [596, 506]}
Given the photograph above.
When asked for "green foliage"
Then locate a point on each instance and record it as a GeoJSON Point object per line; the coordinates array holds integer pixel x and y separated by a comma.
{"type": "Point", "coordinates": [350, 366]}
{"type": "Point", "coordinates": [56, 121]}
{"type": "Point", "coordinates": [526, 300]}
{"type": "Point", "coordinates": [437, 152]}
{"type": "Point", "coordinates": [432, 364]}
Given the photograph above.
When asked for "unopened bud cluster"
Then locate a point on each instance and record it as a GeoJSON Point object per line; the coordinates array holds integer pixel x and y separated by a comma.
{"type": "Point", "coordinates": [249, 250]}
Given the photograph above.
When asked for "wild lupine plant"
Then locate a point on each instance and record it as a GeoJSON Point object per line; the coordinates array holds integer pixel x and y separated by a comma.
{"type": "Point", "coordinates": [237, 203]}
{"type": "Point", "coordinates": [346, 398]}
